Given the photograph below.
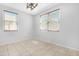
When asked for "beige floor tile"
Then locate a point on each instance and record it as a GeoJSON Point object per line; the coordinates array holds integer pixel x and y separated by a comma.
{"type": "Point", "coordinates": [12, 50]}
{"type": "Point", "coordinates": [35, 48]}
{"type": "Point", "coordinates": [3, 50]}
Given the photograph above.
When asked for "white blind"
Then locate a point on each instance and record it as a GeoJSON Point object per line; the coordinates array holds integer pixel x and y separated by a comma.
{"type": "Point", "coordinates": [10, 21]}
{"type": "Point", "coordinates": [50, 21]}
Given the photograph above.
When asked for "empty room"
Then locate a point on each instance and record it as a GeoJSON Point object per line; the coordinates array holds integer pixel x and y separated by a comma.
{"type": "Point", "coordinates": [39, 29]}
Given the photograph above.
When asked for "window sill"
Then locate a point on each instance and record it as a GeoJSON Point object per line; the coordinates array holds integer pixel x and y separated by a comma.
{"type": "Point", "coordinates": [10, 31]}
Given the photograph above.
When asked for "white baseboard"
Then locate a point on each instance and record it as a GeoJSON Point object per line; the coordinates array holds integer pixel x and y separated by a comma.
{"type": "Point", "coordinates": [41, 39]}
{"type": "Point", "coordinates": [15, 41]}
{"type": "Point", "coordinates": [56, 43]}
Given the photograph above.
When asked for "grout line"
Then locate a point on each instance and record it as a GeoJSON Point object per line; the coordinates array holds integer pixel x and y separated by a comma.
{"type": "Point", "coordinates": [27, 50]}
{"type": "Point", "coordinates": [7, 50]}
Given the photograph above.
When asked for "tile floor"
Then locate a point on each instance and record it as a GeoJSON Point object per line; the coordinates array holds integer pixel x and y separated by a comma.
{"type": "Point", "coordinates": [35, 48]}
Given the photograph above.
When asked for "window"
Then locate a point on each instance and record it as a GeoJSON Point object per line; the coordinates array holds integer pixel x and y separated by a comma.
{"type": "Point", "coordinates": [50, 21]}
{"type": "Point", "coordinates": [10, 23]}
{"type": "Point", "coordinates": [43, 22]}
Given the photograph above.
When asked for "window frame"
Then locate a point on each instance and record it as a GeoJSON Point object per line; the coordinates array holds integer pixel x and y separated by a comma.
{"type": "Point", "coordinates": [5, 20]}
{"type": "Point", "coordinates": [51, 18]}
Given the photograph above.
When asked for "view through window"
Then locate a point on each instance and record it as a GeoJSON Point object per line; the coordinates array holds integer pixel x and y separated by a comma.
{"type": "Point", "coordinates": [10, 21]}
{"type": "Point", "coordinates": [50, 21]}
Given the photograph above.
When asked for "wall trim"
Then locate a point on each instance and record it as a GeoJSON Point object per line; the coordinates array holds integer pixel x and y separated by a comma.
{"type": "Point", "coordinates": [58, 44]}
{"type": "Point", "coordinates": [15, 41]}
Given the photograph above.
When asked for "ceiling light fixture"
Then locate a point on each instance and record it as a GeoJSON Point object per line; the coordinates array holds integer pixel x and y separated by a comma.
{"type": "Point", "coordinates": [31, 5]}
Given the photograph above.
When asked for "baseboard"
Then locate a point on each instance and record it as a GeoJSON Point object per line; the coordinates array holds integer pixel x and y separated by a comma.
{"type": "Point", "coordinates": [15, 41]}
{"type": "Point", "coordinates": [56, 43]}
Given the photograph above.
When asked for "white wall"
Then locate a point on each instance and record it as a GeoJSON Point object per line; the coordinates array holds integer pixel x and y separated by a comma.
{"type": "Point", "coordinates": [24, 27]}
{"type": "Point", "coordinates": [69, 27]}
{"type": "Point", "coordinates": [29, 26]}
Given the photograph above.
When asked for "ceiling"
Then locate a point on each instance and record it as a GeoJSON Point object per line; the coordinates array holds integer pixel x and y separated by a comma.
{"type": "Point", "coordinates": [22, 7]}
